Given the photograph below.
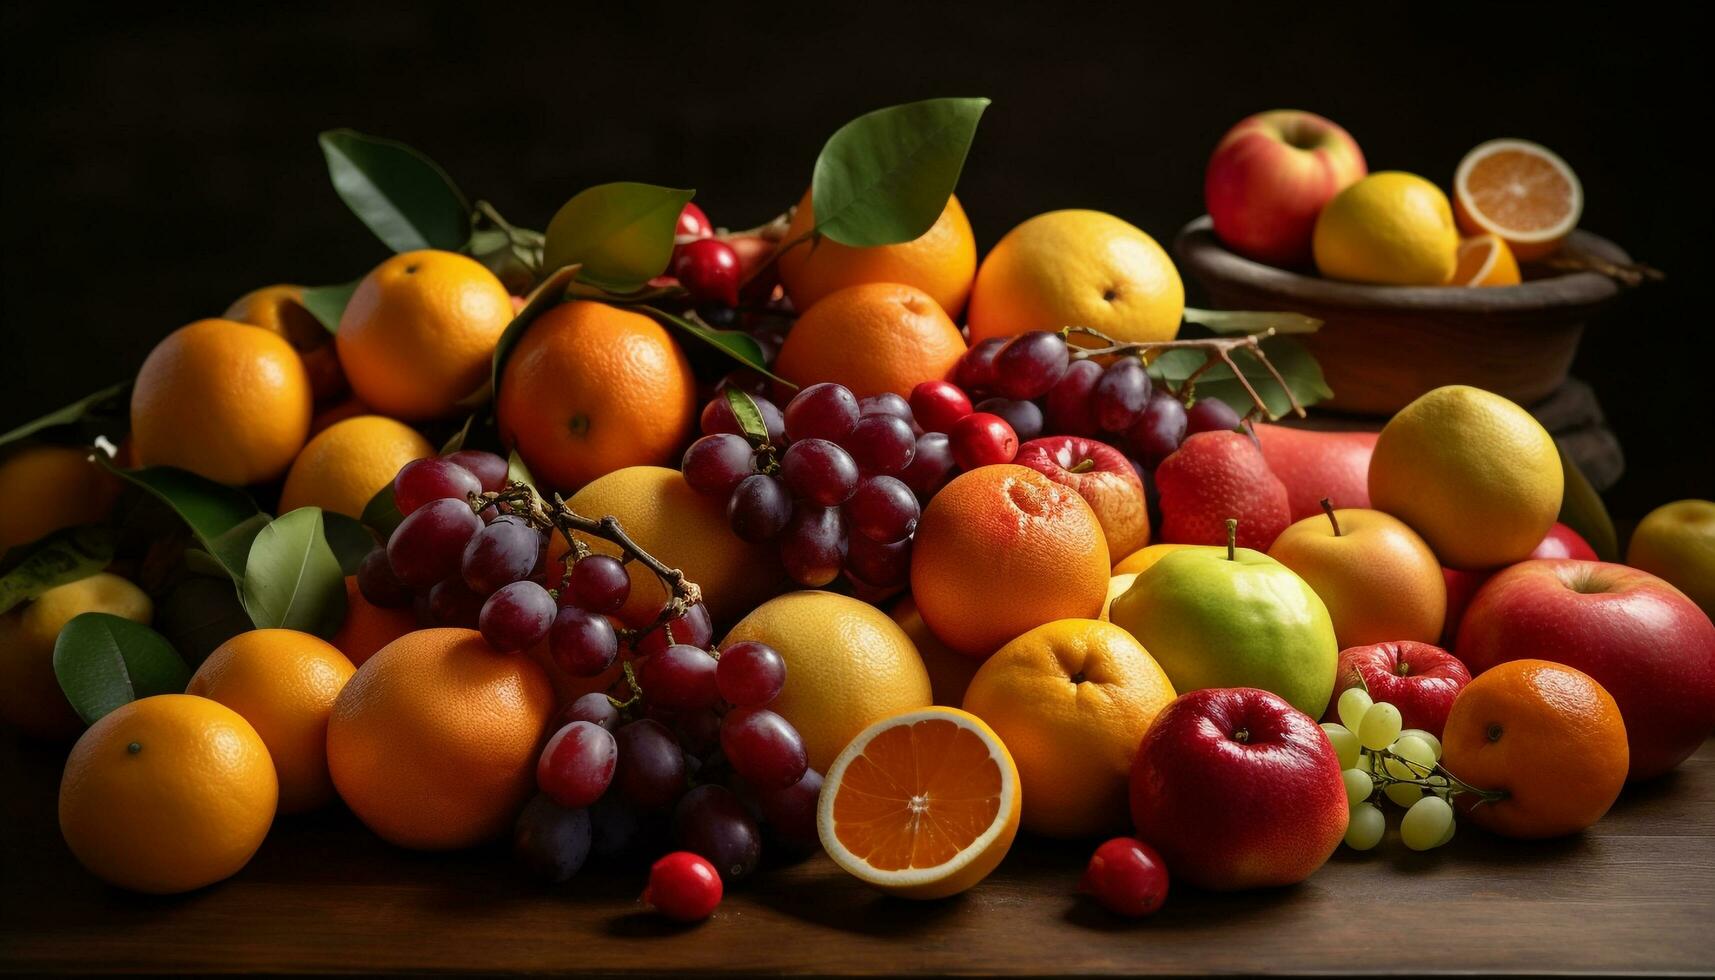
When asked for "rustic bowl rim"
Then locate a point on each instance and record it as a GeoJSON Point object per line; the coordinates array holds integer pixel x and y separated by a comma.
{"type": "Point", "coordinates": [1212, 262]}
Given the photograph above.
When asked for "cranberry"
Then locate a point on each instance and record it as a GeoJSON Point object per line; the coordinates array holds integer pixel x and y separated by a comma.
{"type": "Point", "coordinates": [980, 439]}
{"type": "Point", "coordinates": [936, 405]}
{"type": "Point", "coordinates": [683, 886]}
{"type": "Point", "coordinates": [708, 269]}
{"type": "Point", "coordinates": [693, 223]}
{"type": "Point", "coordinates": [1127, 877]}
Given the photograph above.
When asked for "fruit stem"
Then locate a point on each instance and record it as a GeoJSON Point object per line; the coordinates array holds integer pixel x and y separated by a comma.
{"type": "Point", "coordinates": [1421, 775]}
{"type": "Point", "coordinates": [1084, 465]}
{"type": "Point", "coordinates": [1215, 350]}
{"type": "Point", "coordinates": [1232, 538]}
{"type": "Point", "coordinates": [1328, 508]}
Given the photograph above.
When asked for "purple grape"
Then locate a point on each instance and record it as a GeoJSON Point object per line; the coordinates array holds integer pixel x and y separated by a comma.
{"type": "Point", "coordinates": [882, 566]}
{"type": "Point", "coordinates": [551, 841]}
{"type": "Point", "coordinates": [576, 765]}
{"type": "Point", "coordinates": [1070, 410]}
{"type": "Point", "coordinates": [883, 509]}
{"type": "Point", "coordinates": [813, 546]}
{"type": "Point", "coordinates": [599, 583]}
{"type": "Point", "coordinates": [375, 579]}
{"type": "Point", "coordinates": [887, 403]}
{"type": "Point", "coordinates": [763, 747]}
{"type": "Point", "coordinates": [694, 628]}
{"type": "Point", "coordinates": [614, 825]}
{"type": "Point", "coordinates": [583, 643]}
{"type": "Point", "coordinates": [791, 812]}
{"type": "Point", "coordinates": [713, 465]}
{"type": "Point", "coordinates": [1122, 393]}
{"type": "Point", "coordinates": [822, 411]}
{"type": "Point", "coordinates": [932, 465]}
{"type": "Point", "coordinates": [490, 470]}
{"type": "Point", "coordinates": [452, 603]}
{"type": "Point", "coordinates": [595, 708]}
{"type": "Point", "coordinates": [517, 617]}
{"type": "Point", "coordinates": [1024, 416]}
{"type": "Point", "coordinates": [750, 674]}
{"type": "Point", "coordinates": [1029, 364]}
{"type": "Point", "coordinates": [1160, 431]}
{"type": "Point", "coordinates": [1210, 415]}
{"type": "Point", "coordinates": [711, 821]}
{"type": "Point", "coordinates": [820, 471]}
{"type": "Point", "coordinates": [504, 552]}
{"type": "Point", "coordinates": [423, 480]}
{"type": "Point", "coordinates": [699, 732]}
{"type": "Point", "coordinates": [759, 508]}
{"type": "Point", "coordinates": [679, 678]}
{"type": "Point", "coordinates": [428, 545]}
{"type": "Point", "coordinates": [651, 770]}
{"type": "Point", "coordinates": [975, 372]}
{"type": "Point", "coordinates": [881, 443]}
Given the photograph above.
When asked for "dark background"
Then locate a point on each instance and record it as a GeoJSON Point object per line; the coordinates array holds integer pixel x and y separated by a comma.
{"type": "Point", "coordinates": [157, 165]}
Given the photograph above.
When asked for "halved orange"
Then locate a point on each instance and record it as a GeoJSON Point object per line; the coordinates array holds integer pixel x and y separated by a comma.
{"type": "Point", "coordinates": [1485, 260]}
{"type": "Point", "coordinates": [923, 804]}
{"type": "Point", "coordinates": [1520, 191]}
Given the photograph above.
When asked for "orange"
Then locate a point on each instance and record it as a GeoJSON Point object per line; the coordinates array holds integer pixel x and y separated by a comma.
{"type": "Point", "coordinates": [418, 335]}
{"type": "Point", "coordinates": [1002, 550]}
{"type": "Point", "coordinates": [1520, 191]}
{"type": "Point", "coordinates": [167, 794]}
{"type": "Point", "coordinates": [950, 671]}
{"type": "Point", "coordinates": [283, 683]}
{"type": "Point", "coordinates": [872, 338]}
{"type": "Point", "coordinates": [433, 742]}
{"type": "Point", "coordinates": [921, 805]}
{"type": "Point", "coordinates": [224, 400]}
{"type": "Point", "coordinates": [368, 627]}
{"type": "Point", "coordinates": [941, 262]}
{"type": "Point", "coordinates": [348, 462]}
{"type": "Point", "coordinates": [1071, 699]}
{"type": "Point", "coordinates": [1485, 260]}
{"type": "Point", "coordinates": [1545, 736]}
{"type": "Point", "coordinates": [1148, 555]}
{"type": "Point", "coordinates": [339, 411]}
{"type": "Point", "coordinates": [688, 531]}
{"type": "Point", "coordinates": [847, 666]}
{"type": "Point", "coordinates": [280, 309]}
{"type": "Point", "coordinates": [592, 388]}
{"type": "Point", "coordinates": [30, 696]}
{"type": "Point", "coordinates": [46, 488]}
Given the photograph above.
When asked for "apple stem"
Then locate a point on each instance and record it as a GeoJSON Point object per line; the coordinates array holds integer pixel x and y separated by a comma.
{"type": "Point", "coordinates": [1328, 508]}
{"type": "Point", "coordinates": [1084, 465]}
{"type": "Point", "coordinates": [1232, 538]}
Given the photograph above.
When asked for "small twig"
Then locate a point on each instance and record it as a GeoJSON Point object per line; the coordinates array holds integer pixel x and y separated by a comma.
{"type": "Point", "coordinates": [1629, 273]}
{"type": "Point", "coordinates": [1216, 350]}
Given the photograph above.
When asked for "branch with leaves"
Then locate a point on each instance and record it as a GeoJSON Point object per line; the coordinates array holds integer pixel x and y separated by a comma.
{"type": "Point", "coordinates": [1216, 350]}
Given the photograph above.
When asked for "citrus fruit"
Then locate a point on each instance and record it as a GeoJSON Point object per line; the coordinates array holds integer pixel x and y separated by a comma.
{"type": "Point", "coordinates": [283, 683]}
{"type": "Point", "coordinates": [1117, 586]}
{"type": "Point", "coordinates": [1547, 737]}
{"type": "Point", "coordinates": [941, 261]}
{"type": "Point", "coordinates": [418, 335]}
{"type": "Point", "coordinates": [1485, 260]}
{"type": "Point", "coordinates": [46, 488]}
{"type": "Point", "coordinates": [222, 399]}
{"type": "Point", "coordinates": [433, 741]}
{"type": "Point", "coordinates": [1470, 471]}
{"type": "Point", "coordinates": [347, 463]}
{"type": "Point", "coordinates": [950, 671]}
{"type": "Point", "coordinates": [1519, 191]}
{"type": "Point", "coordinates": [1071, 699]}
{"type": "Point", "coordinates": [847, 666]}
{"type": "Point", "coordinates": [1148, 555]}
{"type": "Point", "coordinates": [368, 627]}
{"type": "Point", "coordinates": [591, 389]}
{"type": "Point", "coordinates": [167, 794]}
{"type": "Point", "coordinates": [1001, 550]}
{"type": "Point", "coordinates": [1392, 228]}
{"type": "Point", "coordinates": [1077, 268]}
{"type": "Point", "coordinates": [872, 338]}
{"type": "Point", "coordinates": [30, 696]}
{"type": "Point", "coordinates": [923, 804]}
{"type": "Point", "coordinates": [280, 309]}
{"type": "Point", "coordinates": [1677, 543]}
{"type": "Point", "coordinates": [685, 529]}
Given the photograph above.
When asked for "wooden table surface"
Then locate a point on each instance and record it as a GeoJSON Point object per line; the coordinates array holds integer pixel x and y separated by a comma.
{"type": "Point", "coordinates": [1636, 893]}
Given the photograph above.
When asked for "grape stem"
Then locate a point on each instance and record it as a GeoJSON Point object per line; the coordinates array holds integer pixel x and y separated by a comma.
{"type": "Point", "coordinates": [1216, 350]}
{"type": "Point", "coordinates": [1421, 775]}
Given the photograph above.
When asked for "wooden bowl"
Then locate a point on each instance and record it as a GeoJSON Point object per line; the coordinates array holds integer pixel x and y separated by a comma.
{"type": "Point", "coordinates": [1382, 346]}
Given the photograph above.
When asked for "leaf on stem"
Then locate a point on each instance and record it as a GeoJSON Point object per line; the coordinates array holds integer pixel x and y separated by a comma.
{"type": "Point", "coordinates": [103, 662]}
{"type": "Point", "coordinates": [224, 519]}
{"type": "Point", "coordinates": [736, 344]}
{"type": "Point", "coordinates": [67, 555]}
{"type": "Point", "coordinates": [1229, 322]}
{"type": "Point", "coordinates": [381, 515]}
{"type": "Point", "coordinates": [748, 415]}
{"type": "Point", "coordinates": [550, 292]}
{"type": "Point", "coordinates": [885, 177]}
{"type": "Point", "coordinates": [620, 233]}
{"type": "Point", "coordinates": [1582, 510]}
{"type": "Point", "coordinates": [327, 303]}
{"type": "Point", "coordinates": [348, 538]}
{"type": "Point", "coordinates": [401, 195]}
{"type": "Point", "coordinates": [105, 412]}
{"type": "Point", "coordinates": [1296, 366]}
{"type": "Point", "coordinates": [292, 579]}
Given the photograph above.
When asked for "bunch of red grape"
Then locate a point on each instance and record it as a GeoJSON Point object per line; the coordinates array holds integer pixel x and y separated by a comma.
{"type": "Point", "coordinates": [837, 482]}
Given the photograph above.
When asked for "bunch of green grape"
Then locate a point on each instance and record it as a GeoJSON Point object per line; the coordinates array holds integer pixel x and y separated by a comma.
{"type": "Point", "coordinates": [1380, 759]}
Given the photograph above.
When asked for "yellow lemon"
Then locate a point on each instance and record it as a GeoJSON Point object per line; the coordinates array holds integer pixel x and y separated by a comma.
{"type": "Point", "coordinates": [1390, 227]}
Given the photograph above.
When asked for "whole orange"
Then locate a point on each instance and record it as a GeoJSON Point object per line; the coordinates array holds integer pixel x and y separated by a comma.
{"type": "Point", "coordinates": [1002, 550]}
{"type": "Point", "coordinates": [167, 794]}
{"type": "Point", "coordinates": [1547, 738]}
{"type": "Point", "coordinates": [874, 337]}
{"type": "Point", "coordinates": [950, 671]}
{"type": "Point", "coordinates": [942, 261]}
{"type": "Point", "coordinates": [344, 465]}
{"type": "Point", "coordinates": [592, 388]}
{"type": "Point", "coordinates": [1071, 699]}
{"type": "Point", "coordinates": [46, 488]}
{"type": "Point", "coordinates": [433, 742]}
{"type": "Point", "coordinates": [368, 627]}
{"type": "Point", "coordinates": [283, 683]}
{"type": "Point", "coordinates": [222, 399]}
{"type": "Point", "coordinates": [418, 335]}
{"type": "Point", "coordinates": [280, 309]}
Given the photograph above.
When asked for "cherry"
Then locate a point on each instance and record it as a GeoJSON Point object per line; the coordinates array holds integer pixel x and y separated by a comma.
{"type": "Point", "coordinates": [683, 886]}
{"type": "Point", "coordinates": [1127, 876]}
{"type": "Point", "coordinates": [982, 438]}
{"type": "Point", "coordinates": [693, 223]}
{"type": "Point", "coordinates": [708, 269]}
{"type": "Point", "coordinates": [938, 404]}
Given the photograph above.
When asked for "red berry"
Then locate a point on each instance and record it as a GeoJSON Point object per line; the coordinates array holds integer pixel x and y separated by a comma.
{"type": "Point", "coordinates": [708, 269]}
{"type": "Point", "coordinates": [693, 223]}
{"type": "Point", "coordinates": [683, 886]}
{"type": "Point", "coordinates": [982, 438]}
{"type": "Point", "coordinates": [938, 404]}
{"type": "Point", "coordinates": [1127, 877]}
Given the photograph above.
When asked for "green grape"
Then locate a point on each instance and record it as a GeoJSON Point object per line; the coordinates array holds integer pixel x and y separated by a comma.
{"type": "Point", "coordinates": [1403, 794]}
{"type": "Point", "coordinates": [1425, 824]}
{"type": "Point", "coordinates": [1434, 743]}
{"type": "Point", "coordinates": [1345, 744]}
{"type": "Point", "coordinates": [1440, 786]}
{"type": "Point", "coordinates": [1354, 701]}
{"type": "Point", "coordinates": [1359, 785]}
{"type": "Point", "coordinates": [1410, 749]}
{"type": "Point", "coordinates": [1380, 725]}
{"type": "Point", "coordinates": [1365, 826]}
{"type": "Point", "coordinates": [1448, 835]}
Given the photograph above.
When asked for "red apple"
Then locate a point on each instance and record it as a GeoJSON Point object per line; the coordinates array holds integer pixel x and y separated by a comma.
{"type": "Point", "coordinates": [1419, 679]}
{"type": "Point", "coordinates": [1269, 178]}
{"type": "Point", "coordinates": [1103, 477]}
{"type": "Point", "coordinates": [1462, 583]}
{"type": "Point", "coordinates": [1238, 789]}
{"type": "Point", "coordinates": [1563, 542]}
{"type": "Point", "coordinates": [1638, 636]}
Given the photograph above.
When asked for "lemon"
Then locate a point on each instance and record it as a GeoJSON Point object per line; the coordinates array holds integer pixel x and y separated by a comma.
{"type": "Point", "coordinates": [1471, 472]}
{"type": "Point", "coordinates": [1390, 227]}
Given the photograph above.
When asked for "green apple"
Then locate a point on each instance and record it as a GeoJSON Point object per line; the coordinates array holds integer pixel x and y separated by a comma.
{"type": "Point", "coordinates": [1233, 618]}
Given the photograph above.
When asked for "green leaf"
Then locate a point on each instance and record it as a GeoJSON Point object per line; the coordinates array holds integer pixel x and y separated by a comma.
{"type": "Point", "coordinates": [199, 613]}
{"type": "Point", "coordinates": [517, 472]}
{"type": "Point", "coordinates": [1582, 510]}
{"type": "Point", "coordinates": [621, 233]}
{"type": "Point", "coordinates": [381, 515]}
{"type": "Point", "coordinates": [223, 518]}
{"type": "Point", "coordinates": [327, 303]}
{"type": "Point", "coordinates": [292, 579]}
{"type": "Point", "coordinates": [400, 194]}
{"type": "Point", "coordinates": [110, 405]}
{"type": "Point", "coordinates": [1296, 366]}
{"type": "Point", "coordinates": [551, 292]}
{"type": "Point", "coordinates": [67, 555]}
{"type": "Point", "coordinates": [748, 415]}
{"type": "Point", "coordinates": [1228, 322]}
{"type": "Point", "coordinates": [457, 440]}
{"type": "Point", "coordinates": [885, 177]}
{"type": "Point", "coordinates": [349, 539]}
{"type": "Point", "coordinates": [104, 662]}
{"type": "Point", "coordinates": [739, 346]}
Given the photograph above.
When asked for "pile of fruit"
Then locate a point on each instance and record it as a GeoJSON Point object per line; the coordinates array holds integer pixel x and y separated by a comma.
{"type": "Point", "coordinates": [665, 546]}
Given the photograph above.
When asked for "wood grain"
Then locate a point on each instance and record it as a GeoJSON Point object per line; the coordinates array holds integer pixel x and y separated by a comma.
{"type": "Point", "coordinates": [1636, 893]}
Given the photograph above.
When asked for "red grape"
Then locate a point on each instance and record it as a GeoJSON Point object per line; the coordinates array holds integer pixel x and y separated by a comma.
{"type": "Point", "coordinates": [882, 566]}
{"type": "Point", "coordinates": [821, 472]}
{"type": "Point", "coordinates": [1122, 393]}
{"type": "Point", "coordinates": [694, 628]}
{"type": "Point", "coordinates": [759, 507]}
{"type": "Point", "coordinates": [583, 643]}
{"type": "Point", "coordinates": [711, 821]}
{"type": "Point", "coordinates": [577, 763]}
{"type": "Point", "coordinates": [452, 603]}
{"type": "Point", "coordinates": [504, 552]}
{"type": "Point", "coordinates": [679, 678]}
{"type": "Point", "coordinates": [791, 812]}
{"type": "Point", "coordinates": [651, 770]}
{"type": "Point", "coordinates": [1070, 407]}
{"type": "Point", "coordinates": [822, 411]}
{"type": "Point", "coordinates": [1127, 876]}
{"type": "Point", "coordinates": [599, 583]}
{"type": "Point", "coordinates": [595, 708]}
{"type": "Point", "coordinates": [713, 465]}
{"type": "Point", "coordinates": [1210, 415]}
{"type": "Point", "coordinates": [763, 747]}
{"type": "Point", "coordinates": [423, 480]}
{"type": "Point", "coordinates": [699, 732]}
{"type": "Point", "coordinates": [489, 469]}
{"type": "Point", "coordinates": [814, 545]}
{"type": "Point", "coordinates": [886, 403]}
{"type": "Point", "coordinates": [1161, 429]}
{"type": "Point", "coordinates": [1029, 364]}
{"type": "Point", "coordinates": [750, 674]}
{"type": "Point", "coordinates": [931, 466]}
{"type": "Point", "coordinates": [981, 438]}
{"type": "Point", "coordinates": [375, 579]}
{"type": "Point", "coordinates": [975, 371]}
{"type": "Point", "coordinates": [551, 841]}
{"type": "Point", "coordinates": [708, 269]}
{"type": "Point", "coordinates": [1024, 416]}
{"type": "Point", "coordinates": [684, 887]}
{"type": "Point", "coordinates": [883, 509]}
{"type": "Point", "coordinates": [516, 617]}
{"type": "Point", "coordinates": [881, 444]}
{"type": "Point", "coordinates": [936, 405]}
{"type": "Point", "coordinates": [428, 544]}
